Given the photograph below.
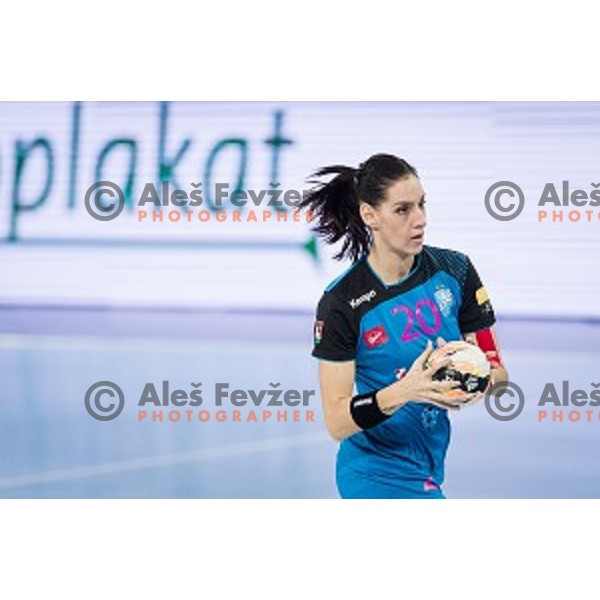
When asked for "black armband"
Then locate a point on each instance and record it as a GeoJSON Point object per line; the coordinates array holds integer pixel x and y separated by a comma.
{"type": "Point", "coordinates": [365, 411]}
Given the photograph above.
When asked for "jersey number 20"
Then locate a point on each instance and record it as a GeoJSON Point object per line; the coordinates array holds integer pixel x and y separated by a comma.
{"type": "Point", "coordinates": [409, 333]}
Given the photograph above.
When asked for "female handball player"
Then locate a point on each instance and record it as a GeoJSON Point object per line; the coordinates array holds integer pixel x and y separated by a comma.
{"type": "Point", "coordinates": [376, 326]}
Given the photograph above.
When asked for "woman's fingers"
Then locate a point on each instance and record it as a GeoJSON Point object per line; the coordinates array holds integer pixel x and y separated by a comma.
{"type": "Point", "coordinates": [444, 386]}
{"type": "Point", "coordinates": [437, 365]}
{"type": "Point", "coordinates": [422, 359]}
{"type": "Point", "coordinates": [445, 405]}
{"type": "Point", "coordinates": [458, 397]}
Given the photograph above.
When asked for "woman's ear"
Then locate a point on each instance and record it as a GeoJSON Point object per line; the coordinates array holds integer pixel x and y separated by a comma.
{"type": "Point", "coordinates": [369, 216]}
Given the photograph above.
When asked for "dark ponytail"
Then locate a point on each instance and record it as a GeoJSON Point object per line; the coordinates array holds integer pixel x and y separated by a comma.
{"type": "Point", "coordinates": [335, 204]}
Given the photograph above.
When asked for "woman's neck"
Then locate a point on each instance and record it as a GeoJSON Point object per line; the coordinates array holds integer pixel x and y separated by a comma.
{"type": "Point", "coordinates": [389, 266]}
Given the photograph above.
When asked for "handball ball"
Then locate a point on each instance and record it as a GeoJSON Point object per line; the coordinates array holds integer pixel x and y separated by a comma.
{"type": "Point", "coordinates": [469, 366]}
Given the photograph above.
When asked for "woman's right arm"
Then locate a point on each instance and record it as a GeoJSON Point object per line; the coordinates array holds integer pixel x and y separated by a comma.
{"type": "Point", "coordinates": [337, 385]}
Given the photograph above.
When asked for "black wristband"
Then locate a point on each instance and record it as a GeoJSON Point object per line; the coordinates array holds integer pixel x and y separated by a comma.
{"type": "Point", "coordinates": [365, 411]}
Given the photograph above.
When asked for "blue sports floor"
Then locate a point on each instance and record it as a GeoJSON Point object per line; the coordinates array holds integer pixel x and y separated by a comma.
{"type": "Point", "coordinates": [51, 448]}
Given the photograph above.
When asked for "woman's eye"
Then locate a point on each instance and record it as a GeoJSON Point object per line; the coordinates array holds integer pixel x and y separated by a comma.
{"type": "Point", "coordinates": [404, 210]}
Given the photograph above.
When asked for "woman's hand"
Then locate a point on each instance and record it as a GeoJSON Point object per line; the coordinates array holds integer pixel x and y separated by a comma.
{"type": "Point", "coordinates": [418, 384]}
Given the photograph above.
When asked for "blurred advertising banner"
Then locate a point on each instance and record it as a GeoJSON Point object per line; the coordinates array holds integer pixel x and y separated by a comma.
{"type": "Point", "coordinates": [192, 205]}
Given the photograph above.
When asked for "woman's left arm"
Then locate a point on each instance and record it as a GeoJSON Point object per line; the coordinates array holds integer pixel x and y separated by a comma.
{"type": "Point", "coordinates": [487, 340]}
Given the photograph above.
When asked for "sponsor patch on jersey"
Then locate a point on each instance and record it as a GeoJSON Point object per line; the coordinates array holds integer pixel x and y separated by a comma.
{"type": "Point", "coordinates": [444, 299]}
{"type": "Point", "coordinates": [482, 296]}
{"type": "Point", "coordinates": [400, 373]}
{"type": "Point", "coordinates": [375, 337]}
{"type": "Point", "coordinates": [318, 331]}
{"type": "Point", "coordinates": [483, 300]}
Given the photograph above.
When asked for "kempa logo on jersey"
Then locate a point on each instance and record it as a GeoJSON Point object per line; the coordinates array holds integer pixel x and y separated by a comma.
{"type": "Point", "coordinates": [356, 302]}
{"type": "Point", "coordinates": [505, 200]}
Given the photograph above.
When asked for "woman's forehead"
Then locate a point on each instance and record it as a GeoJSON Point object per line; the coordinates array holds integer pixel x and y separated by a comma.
{"type": "Point", "coordinates": [407, 189]}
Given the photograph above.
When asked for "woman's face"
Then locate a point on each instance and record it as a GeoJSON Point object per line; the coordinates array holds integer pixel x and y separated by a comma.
{"type": "Point", "coordinates": [398, 223]}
